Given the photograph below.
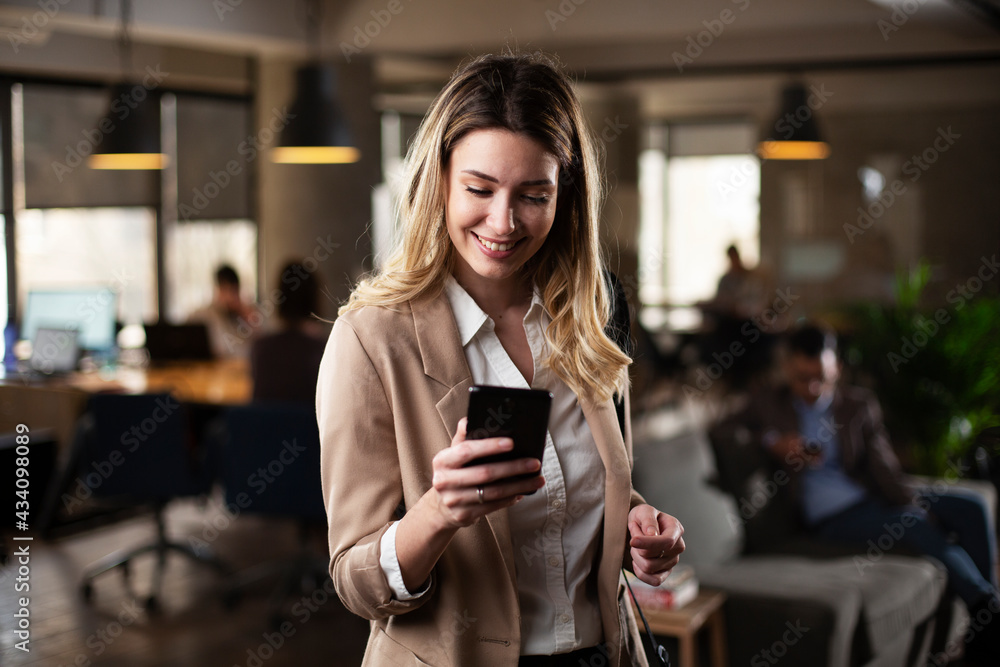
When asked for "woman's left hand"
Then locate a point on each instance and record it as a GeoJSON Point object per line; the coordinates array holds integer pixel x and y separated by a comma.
{"type": "Point", "coordinates": [656, 543]}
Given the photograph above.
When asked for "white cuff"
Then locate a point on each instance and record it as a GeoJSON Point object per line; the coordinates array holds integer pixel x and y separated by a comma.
{"type": "Point", "coordinates": [390, 565]}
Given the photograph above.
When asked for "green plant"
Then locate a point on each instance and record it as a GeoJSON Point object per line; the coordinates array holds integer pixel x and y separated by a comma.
{"type": "Point", "coordinates": [936, 370]}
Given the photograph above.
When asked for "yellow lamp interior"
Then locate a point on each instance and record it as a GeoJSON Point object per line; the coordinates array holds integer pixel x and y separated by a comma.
{"type": "Point", "coordinates": [315, 154]}
{"type": "Point", "coordinates": [793, 150]}
{"type": "Point", "coordinates": [127, 161]}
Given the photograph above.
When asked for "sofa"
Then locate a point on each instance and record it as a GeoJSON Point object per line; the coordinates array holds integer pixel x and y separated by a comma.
{"type": "Point", "coordinates": [791, 598]}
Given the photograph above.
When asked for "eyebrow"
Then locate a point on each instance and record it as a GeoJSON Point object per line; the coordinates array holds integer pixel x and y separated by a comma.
{"type": "Point", "coordinates": [492, 179]}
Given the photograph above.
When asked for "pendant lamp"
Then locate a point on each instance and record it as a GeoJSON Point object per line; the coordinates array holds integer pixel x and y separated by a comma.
{"type": "Point", "coordinates": [317, 131]}
{"type": "Point", "coordinates": [131, 126]}
{"type": "Point", "coordinates": [794, 135]}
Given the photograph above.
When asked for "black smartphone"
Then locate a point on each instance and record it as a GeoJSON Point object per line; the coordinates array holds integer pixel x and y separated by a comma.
{"type": "Point", "coordinates": [505, 412]}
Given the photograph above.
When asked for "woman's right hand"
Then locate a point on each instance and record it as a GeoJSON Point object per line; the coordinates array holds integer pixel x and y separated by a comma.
{"type": "Point", "coordinates": [456, 488]}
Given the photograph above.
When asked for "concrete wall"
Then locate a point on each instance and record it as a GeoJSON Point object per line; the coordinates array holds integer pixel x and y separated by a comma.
{"type": "Point", "coordinates": [939, 203]}
{"type": "Point", "coordinates": [319, 211]}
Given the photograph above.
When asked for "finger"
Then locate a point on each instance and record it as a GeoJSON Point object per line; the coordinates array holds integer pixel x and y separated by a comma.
{"type": "Point", "coordinates": [481, 475]}
{"type": "Point", "coordinates": [646, 576]}
{"type": "Point", "coordinates": [463, 451]}
{"type": "Point", "coordinates": [653, 547]}
{"type": "Point", "coordinates": [642, 521]}
{"type": "Point", "coordinates": [460, 431]}
{"type": "Point", "coordinates": [670, 526]}
{"type": "Point", "coordinates": [501, 492]}
{"type": "Point", "coordinates": [655, 565]}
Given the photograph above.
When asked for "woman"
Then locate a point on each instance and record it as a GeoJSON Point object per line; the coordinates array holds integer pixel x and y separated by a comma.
{"type": "Point", "coordinates": [284, 363]}
{"type": "Point", "coordinates": [496, 280]}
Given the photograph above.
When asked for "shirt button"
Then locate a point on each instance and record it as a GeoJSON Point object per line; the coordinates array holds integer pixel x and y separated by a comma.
{"type": "Point", "coordinates": [564, 618]}
{"type": "Point", "coordinates": [557, 503]}
{"type": "Point", "coordinates": [553, 561]}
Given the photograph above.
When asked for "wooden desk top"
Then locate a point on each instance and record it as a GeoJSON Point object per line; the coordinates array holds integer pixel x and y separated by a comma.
{"type": "Point", "coordinates": [222, 382]}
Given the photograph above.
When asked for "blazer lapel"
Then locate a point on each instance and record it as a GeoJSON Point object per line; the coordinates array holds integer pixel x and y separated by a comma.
{"type": "Point", "coordinates": [444, 361]}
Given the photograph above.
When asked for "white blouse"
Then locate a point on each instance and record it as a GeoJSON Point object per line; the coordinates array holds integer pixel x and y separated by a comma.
{"type": "Point", "coordinates": [556, 531]}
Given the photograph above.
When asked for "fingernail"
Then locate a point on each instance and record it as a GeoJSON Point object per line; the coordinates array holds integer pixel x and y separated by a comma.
{"type": "Point", "coordinates": [507, 443]}
{"type": "Point", "coordinates": [651, 531]}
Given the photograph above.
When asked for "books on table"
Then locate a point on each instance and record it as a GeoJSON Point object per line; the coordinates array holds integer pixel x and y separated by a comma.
{"type": "Point", "coordinates": [676, 590]}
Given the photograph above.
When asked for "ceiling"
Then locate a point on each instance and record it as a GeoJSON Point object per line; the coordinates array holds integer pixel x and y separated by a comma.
{"type": "Point", "coordinates": [677, 57]}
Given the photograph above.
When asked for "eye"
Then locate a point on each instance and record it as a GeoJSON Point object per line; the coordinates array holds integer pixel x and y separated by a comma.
{"type": "Point", "coordinates": [477, 191]}
{"type": "Point", "coordinates": [537, 199]}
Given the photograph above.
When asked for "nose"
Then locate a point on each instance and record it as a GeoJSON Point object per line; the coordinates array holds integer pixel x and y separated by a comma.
{"type": "Point", "coordinates": [500, 219]}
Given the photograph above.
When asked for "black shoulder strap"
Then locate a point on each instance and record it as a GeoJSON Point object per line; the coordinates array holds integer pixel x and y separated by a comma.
{"type": "Point", "coordinates": [619, 329]}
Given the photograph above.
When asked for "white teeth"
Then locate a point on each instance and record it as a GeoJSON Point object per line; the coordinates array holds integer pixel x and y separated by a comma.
{"type": "Point", "coordinates": [495, 246]}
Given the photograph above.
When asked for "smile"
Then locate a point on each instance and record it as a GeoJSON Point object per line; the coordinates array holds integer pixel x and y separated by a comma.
{"type": "Point", "coordinates": [495, 247]}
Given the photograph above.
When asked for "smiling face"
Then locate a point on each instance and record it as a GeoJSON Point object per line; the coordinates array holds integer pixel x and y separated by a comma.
{"type": "Point", "coordinates": [500, 205]}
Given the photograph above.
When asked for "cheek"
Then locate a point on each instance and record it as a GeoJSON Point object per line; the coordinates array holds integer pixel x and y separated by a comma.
{"type": "Point", "coordinates": [462, 212]}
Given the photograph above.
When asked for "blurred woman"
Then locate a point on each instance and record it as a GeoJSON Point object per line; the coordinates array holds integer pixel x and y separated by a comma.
{"type": "Point", "coordinates": [284, 364]}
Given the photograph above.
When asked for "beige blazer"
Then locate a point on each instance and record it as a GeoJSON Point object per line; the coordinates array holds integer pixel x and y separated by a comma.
{"type": "Point", "coordinates": [392, 387]}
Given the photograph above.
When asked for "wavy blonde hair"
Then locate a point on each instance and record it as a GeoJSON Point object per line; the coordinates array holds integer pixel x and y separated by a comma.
{"type": "Point", "coordinates": [529, 95]}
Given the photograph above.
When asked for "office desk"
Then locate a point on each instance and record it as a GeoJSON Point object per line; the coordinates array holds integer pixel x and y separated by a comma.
{"type": "Point", "coordinates": [57, 402]}
{"type": "Point", "coordinates": [222, 382]}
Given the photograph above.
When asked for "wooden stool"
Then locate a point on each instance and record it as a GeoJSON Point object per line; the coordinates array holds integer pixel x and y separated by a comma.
{"type": "Point", "coordinates": [684, 624]}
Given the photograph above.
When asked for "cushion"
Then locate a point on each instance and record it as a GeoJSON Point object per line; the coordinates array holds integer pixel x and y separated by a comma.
{"type": "Point", "coordinates": [868, 604]}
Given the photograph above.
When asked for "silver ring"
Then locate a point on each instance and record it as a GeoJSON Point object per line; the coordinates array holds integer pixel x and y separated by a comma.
{"type": "Point", "coordinates": [479, 493]}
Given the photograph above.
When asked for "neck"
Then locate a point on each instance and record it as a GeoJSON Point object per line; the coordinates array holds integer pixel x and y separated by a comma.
{"type": "Point", "coordinates": [495, 297]}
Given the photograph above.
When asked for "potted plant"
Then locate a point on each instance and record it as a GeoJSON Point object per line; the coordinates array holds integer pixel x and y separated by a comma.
{"type": "Point", "coordinates": [935, 369]}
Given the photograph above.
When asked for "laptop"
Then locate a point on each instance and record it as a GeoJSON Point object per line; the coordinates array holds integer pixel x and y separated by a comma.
{"type": "Point", "coordinates": [54, 351]}
{"type": "Point", "coordinates": [177, 342]}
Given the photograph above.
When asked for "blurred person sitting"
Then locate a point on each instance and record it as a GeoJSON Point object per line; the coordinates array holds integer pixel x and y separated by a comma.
{"type": "Point", "coordinates": [848, 485]}
{"type": "Point", "coordinates": [227, 317]}
{"type": "Point", "coordinates": [284, 364]}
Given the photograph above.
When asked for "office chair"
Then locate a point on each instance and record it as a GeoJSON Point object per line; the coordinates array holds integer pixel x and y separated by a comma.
{"type": "Point", "coordinates": [270, 465]}
{"type": "Point", "coordinates": [134, 448]}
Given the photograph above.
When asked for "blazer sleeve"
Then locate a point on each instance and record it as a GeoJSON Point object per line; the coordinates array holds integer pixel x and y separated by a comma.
{"type": "Point", "coordinates": [362, 484]}
{"type": "Point", "coordinates": [883, 464]}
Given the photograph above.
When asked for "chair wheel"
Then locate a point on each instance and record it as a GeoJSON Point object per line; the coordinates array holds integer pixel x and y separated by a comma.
{"type": "Point", "coordinates": [87, 591]}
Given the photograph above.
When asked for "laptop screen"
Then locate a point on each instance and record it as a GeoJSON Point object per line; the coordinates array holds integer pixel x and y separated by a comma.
{"type": "Point", "coordinates": [54, 350]}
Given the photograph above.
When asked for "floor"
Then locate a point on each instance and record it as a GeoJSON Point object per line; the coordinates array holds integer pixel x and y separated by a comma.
{"type": "Point", "coordinates": [194, 627]}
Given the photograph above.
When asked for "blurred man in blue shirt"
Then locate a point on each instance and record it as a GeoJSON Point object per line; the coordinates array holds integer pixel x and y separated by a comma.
{"type": "Point", "coordinates": [852, 488]}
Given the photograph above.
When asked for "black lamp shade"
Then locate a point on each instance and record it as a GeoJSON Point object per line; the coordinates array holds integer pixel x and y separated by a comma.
{"type": "Point", "coordinates": [131, 130]}
{"type": "Point", "coordinates": [794, 135]}
{"type": "Point", "coordinates": [317, 130]}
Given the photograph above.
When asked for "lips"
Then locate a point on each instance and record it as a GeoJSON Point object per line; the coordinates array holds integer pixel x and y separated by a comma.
{"type": "Point", "coordinates": [494, 246]}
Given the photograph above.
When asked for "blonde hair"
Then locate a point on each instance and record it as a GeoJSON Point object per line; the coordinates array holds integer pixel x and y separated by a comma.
{"type": "Point", "coordinates": [525, 94]}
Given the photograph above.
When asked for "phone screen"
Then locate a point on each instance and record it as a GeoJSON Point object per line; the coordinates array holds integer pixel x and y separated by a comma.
{"type": "Point", "coordinates": [519, 414]}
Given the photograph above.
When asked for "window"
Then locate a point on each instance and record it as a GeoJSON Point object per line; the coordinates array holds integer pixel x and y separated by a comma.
{"type": "Point", "coordinates": [113, 248]}
{"type": "Point", "coordinates": [700, 188]}
{"type": "Point", "coordinates": [195, 250]}
{"type": "Point", "coordinates": [79, 228]}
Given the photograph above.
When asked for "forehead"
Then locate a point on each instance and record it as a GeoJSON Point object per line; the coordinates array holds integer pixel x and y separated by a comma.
{"type": "Point", "coordinates": [510, 149]}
